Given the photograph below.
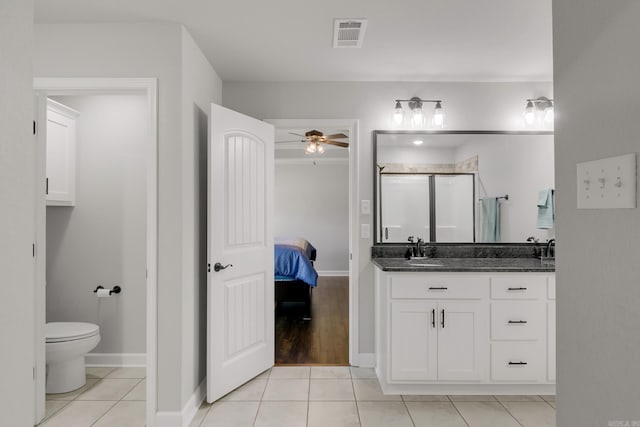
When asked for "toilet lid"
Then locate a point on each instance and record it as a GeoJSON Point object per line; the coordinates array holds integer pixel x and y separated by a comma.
{"type": "Point", "coordinates": [69, 331]}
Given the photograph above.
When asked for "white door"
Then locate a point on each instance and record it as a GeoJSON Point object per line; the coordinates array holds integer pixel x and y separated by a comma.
{"type": "Point", "coordinates": [462, 341]}
{"type": "Point", "coordinates": [240, 300]}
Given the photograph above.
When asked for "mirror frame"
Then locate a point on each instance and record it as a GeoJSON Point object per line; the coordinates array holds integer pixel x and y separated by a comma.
{"type": "Point", "coordinates": [374, 150]}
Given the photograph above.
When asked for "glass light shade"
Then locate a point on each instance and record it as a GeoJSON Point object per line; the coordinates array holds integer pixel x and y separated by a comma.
{"type": "Point", "coordinates": [438, 116]}
{"type": "Point", "coordinates": [398, 114]}
{"type": "Point", "coordinates": [320, 149]}
{"type": "Point", "coordinates": [311, 148]}
{"type": "Point", "coordinates": [417, 120]}
{"type": "Point", "coordinates": [548, 115]}
{"type": "Point", "coordinates": [418, 142]}
{"type": "Point", "coordinates": [529, 114]}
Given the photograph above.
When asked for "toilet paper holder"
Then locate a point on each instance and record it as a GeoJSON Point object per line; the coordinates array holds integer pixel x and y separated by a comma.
{"type": "Point", "coordinates": [115, 290]}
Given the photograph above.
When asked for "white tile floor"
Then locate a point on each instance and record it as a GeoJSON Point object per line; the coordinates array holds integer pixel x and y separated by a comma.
{"type": "Point", "coordinates": [296, 396]}
{"type": "Point", "coordinates": [351, 397]}
{"type": "Point", "coordinates": [112, 397]}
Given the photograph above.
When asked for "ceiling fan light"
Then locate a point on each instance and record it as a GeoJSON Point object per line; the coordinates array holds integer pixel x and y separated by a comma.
{"type": "Point", "coordinates": [320, 149]}
{"type": "Point", "coordinates": [311, 148]}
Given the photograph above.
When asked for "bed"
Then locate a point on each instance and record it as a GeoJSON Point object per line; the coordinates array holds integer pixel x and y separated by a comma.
{"type": "Point", "coordinates": [294, 273]}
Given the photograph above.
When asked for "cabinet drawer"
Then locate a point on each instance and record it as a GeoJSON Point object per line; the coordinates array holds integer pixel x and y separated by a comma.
{"type": "Point", "coordinates": [521, 362]}
{"type": "Point", "coordinates": [518, 287]}
{"type": "Point", "coordinates": [518, 321]}
{"type": "Point", "coordinates": [438, 287]}
{"type": "Point", "coordinates": [551, 288]}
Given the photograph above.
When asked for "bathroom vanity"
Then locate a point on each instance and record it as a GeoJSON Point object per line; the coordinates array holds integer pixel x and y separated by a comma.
{"type": "Point", "coordinates": [465, 325]}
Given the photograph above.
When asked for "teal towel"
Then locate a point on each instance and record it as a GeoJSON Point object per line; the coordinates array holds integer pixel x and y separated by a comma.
{"type": "Point", "coordinates": [546, 213]}
{"type": "Point", "coordinates": [490, 219]}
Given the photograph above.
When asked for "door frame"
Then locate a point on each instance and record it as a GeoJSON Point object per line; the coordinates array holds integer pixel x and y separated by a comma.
{"type": "Point", "coordinates": [92, 86]}
{"type": "Point", "coordinates": [354, 197]}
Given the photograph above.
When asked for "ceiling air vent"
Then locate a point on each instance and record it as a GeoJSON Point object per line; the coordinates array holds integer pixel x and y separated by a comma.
{"type": "Point", "coordinates": [348, 32]}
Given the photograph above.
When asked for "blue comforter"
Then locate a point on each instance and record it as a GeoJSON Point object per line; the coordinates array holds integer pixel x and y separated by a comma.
{"type": "Point", "coordinates": [291, 261]}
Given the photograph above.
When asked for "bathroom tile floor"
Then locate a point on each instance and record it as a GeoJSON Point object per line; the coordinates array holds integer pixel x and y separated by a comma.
{"type": "Point", "coordinates": [351, 397]}
{"type": "Point", "coordinates": [111, 397]}
{"type": "Point", "coordinates": [303, 396]}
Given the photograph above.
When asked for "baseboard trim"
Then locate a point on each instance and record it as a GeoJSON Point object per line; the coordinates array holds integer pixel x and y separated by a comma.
{"type": "Point", "coordinates": [116, 359]}
{"type": "Point", "coordinates": [367, 360]}
{"type": "Point", "coordinates": [335, 273]}
{"type": "Point", "coordinates": [185, 416]}
{"type": "Point", "coordinates": [193, 404]}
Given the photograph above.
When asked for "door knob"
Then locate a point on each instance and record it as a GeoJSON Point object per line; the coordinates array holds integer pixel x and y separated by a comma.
{"type": "Point", "coordinates": [217, 266]}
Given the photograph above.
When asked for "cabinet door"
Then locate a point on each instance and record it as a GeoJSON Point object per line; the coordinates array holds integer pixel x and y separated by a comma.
{"type": "Point", "coordinates": [463, 334]}
{"type": "Point", "coordinates": [551, 341]}
{"type": "Point", "coordinates": [413, 332]}
{"type": "Point", "coordinates": [61, 146]}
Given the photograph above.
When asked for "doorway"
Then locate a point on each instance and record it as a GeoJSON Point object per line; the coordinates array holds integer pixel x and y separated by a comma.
{"type": "Point", "coordinates": [80, 91]}
{"type": "Point", "coordinates": [315, 201]}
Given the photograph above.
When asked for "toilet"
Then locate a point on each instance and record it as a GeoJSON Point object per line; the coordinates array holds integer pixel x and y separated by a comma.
{"type": "Point", "coordinates": [66, 345]}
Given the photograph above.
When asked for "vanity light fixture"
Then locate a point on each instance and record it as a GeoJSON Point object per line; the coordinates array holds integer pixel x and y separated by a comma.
{"type": "Point", "coordinates": [538, 112]}
{"type": "Point", "coordinates": [416, 118]}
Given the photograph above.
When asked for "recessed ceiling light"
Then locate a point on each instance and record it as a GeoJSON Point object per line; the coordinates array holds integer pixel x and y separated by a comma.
{"type": "Point", "coordinates": [418, 142]}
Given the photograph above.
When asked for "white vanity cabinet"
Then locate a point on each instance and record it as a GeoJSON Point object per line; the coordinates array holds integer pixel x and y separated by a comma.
{"type": "Point", "coordinates": [61, 154]}
{"type": "Point", "coordinates": [466, 333]}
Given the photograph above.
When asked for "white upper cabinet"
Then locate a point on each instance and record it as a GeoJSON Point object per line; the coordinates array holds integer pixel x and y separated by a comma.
{"type": "Point", "coordinates": [61, 154]}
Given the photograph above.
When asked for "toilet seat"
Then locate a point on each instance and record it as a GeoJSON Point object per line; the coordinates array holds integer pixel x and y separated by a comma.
{"type": "Point", "coordinates": [69, 331]}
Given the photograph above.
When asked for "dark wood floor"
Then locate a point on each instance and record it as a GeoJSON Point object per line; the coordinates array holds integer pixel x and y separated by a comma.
{"type": "Point", "coordinates": [323, 340]}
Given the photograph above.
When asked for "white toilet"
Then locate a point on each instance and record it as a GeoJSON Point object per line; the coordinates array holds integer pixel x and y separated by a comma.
{"type": "Point", "coordinates": [67, 344]}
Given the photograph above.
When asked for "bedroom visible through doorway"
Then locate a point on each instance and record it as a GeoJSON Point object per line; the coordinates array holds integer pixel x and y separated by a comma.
{"type": "Point", "coordinates": [311, 229]}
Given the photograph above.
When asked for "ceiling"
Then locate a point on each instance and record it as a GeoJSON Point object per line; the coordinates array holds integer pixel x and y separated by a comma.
{"type": "Point", "coordinates": [291, 40]}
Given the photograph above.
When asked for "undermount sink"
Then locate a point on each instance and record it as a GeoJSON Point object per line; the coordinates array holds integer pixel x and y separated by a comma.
{"type": "Point", "coordinates": [423, 262]}
{"type": "Point", "coordinates": [547, 260]}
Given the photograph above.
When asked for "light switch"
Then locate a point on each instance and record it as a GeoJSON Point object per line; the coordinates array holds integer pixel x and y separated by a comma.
{"type": "Point", "coordinates": [365, 207]}
{"type": "Point", "coordinates": [364, 231]}
{"type": "Point", "coordinates": [607, 183]}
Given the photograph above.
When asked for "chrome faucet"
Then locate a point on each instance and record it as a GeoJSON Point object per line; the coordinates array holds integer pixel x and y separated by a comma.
{"type": "Point", "coordinates": [419, 249]}
{"type": "Point", "coordinates": [549, 243]}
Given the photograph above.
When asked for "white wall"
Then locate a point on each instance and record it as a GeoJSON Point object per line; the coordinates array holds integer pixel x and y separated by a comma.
{"type": "Point", "coordinates": [161, 51]}
{"type": "Point", "coordinates": [468, 105]}
{"type": "Point", "coordinates": [201, 86]}
{"type": "Point", "coordinates": [312, 201]}
{"type": "Point", "coordinates": [17, 218]}
{"type": "Point", "coordinates": [102, 240]}
{"type": "Point", "coordinates": [596, 68]}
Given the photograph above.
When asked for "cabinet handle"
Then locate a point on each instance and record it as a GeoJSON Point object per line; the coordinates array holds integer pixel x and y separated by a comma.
{"type": "Point", "coordinates": [516, 289]}
{"type": "Point", "coordinates": [443, 318]}
{"type": "Point", "coordinates": [433, 317]}
{"type": "Point", "coordinates": [517, 321]}
{"type": "Point", "coordinates": [46, 189]}
{"type": "Point", "coordinates": [517, 363]}
{"type": "Point", "coordinates": [438, 288]}
{"type": "Point", "coordinates": [386, 233]}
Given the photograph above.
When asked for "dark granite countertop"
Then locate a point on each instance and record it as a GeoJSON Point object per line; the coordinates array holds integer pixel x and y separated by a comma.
{"type": "Point", "coordinates": [464, 265]}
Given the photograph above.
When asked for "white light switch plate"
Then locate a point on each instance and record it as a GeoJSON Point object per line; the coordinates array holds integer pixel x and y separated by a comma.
{"type": "Point", "coordinates": [365, 207]}
{"type": "Point", "coordinates": [364, 231]}
{"type": "Point", "coordinates": [607, 183]}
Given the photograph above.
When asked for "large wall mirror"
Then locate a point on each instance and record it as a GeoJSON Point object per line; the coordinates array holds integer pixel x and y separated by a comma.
{"type": "Point", "coordinates": [430, 184]}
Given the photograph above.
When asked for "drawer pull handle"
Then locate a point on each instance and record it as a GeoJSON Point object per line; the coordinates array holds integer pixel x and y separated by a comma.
{"type": "Point", "coordinates": [438, 288]}
{"type": "Point", "coordinates": [433, 317]}
{"type": "Point", "coordinates": [517, 321]}
{"type": "Point", "coordinates": [443, 318]}
{"type": "Point", "coordinates": [517, 363]}
{"type": "Point", "coordinates": [516, 289]}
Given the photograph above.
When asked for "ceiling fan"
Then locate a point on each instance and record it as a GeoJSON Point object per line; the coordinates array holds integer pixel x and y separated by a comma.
{"type": "Point", "coordinates": [315, 140]}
